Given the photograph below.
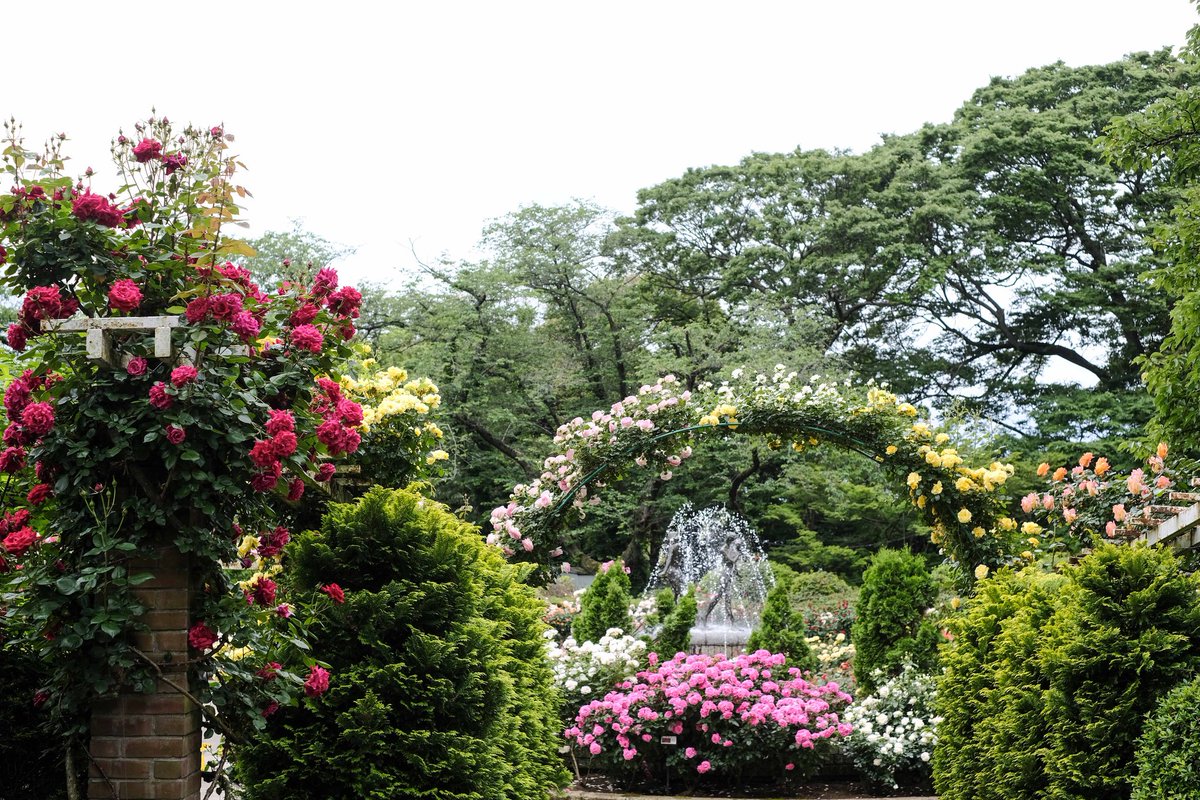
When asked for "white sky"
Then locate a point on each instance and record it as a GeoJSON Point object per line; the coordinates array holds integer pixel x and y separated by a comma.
{"type": "Point", "coordinates": [382, 125]}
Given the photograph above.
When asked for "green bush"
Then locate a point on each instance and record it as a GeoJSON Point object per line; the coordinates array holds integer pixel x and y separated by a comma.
{"type": "Point", "coordinates": [604, 605]}
{"type": "Point", "coordinates": [990, 691]}
{"type": "Point", "coordinates": [1168, 752]}
{"type": "Point", "coordinates": [439, 682]}
{"type": "Point", "coordinates": [818, 587]}
{"type": "Point", "coordinates": [781, 630]}
{"type": "Point", "coordinates": [890, 628]}
{"type": "Point", "coordinates": [676, 632]}
{"type": "Point", "coordinates": [1127, 633]}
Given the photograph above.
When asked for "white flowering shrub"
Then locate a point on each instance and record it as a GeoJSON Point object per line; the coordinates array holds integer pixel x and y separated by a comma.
{"type": "Point", "coordinates": [585, 671]}
{"type": "Point", "coordinates": [895, 729]}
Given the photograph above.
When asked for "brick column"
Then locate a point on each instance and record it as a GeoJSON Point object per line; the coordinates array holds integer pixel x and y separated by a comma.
{"type": "Point", "coordinates": [147, 746]}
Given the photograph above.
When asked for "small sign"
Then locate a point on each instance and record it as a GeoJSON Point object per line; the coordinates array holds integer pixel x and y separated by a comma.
{"type": "Point", "coordinates": [667, 740]}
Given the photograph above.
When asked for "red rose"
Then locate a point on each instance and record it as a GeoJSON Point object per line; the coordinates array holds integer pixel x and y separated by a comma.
{"type": "Point", "coordinates": [39, 494]}
{"type": "Point", "coordinates": [183, 375]}
{"type": "Point", "coordinates": [18, 337]}
{"type": "Point", "coordinates": [335, 592]}
{"type": "Point", "coordinates": [136, 366]}
{"type": "Point", "coordinates": [159, 397]}
{"type": "Point", "coordinates": [263, 454]}
{"type": "Point", "coordinates": [271, 708]}
{"type": "Point", "coordinates": [295, 489]}
{"type": "Point", "coordinates": [201, 636]}
{"type": "Point", "coordinates": [88, 207]}
{"type": "Point", "coordinates": [272, 543]}
{"type": "Point", "coordinates": [175, 434]}
{"type": "Point", "coordinates": [262, 592]}
{"type": "Point", "coordinates": [307, 337]}
{"type": "Point", "coordinates": [38, 418]}
{"type": "Point", "coordinates": [325, 472]}
{"type": "Point", "coordinates": [16, 397]}
{"type": "Point", "coordinates": [42, 302]}
{"type": "Point", "coordinates": [15, 519]}
{"type": "Point", "coordinates": [317, 682]}
{"type": "Point", "coordinates": [345, 301]}
{"type": "Point", "coordinates": [350, 411]}
{"type": "Point", "coordinates": [283, 444]}
{"type": "Point", "coordinates": [197, 310]}
{"type": "Point", "coordinates": [17, 542]}
{"type": "Point", "coordinates": [174, 161]}
{"type": "Point", "coordinates": [146, 150]}
{"type": "Point", "coordinates": [124, 295]}
{"type": "Point", "coordinates": [12, 459]}
{"type": "Point", "coordinates": [264, 481]}
{"type": "Point", "coordinates": [331, 388]}
{"type": "Point", "coordinates": [268, 672]}
{"type": "Point", "coordinates": [303, 315]}
{"type": "Point", "coordinates": [225, 306]}
{"type": "Point", "coordinates": [280, 421]}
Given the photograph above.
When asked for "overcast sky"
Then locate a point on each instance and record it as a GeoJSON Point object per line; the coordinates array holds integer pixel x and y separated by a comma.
{"type": "Point", "coordinates": [393, 126]}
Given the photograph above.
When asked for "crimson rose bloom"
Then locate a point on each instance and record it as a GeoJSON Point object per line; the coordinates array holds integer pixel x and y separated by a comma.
{"type": "Point", "coordinates": [317, 682]}
{"type": "Point", "coordinates": [175, 434]}
{"type": "Point", "coordinates": [284, 610]}
{"type": "Point", "coordinates": [304, 315]}
{"type": "Point", "coordinates": [345, 301]}
{"type": "Point", "coordinates": [146, 150]}
{"type": "Point", "coordinates": [335, 592]}
{"type": "Point", "coordinates": [271, 708]}
{"type": "Point", "coordinates": [18, 337]}
{"type": "Point", "coordinates": [197, 310]}
{"type": "Point", "coordinates": [38, 418]}
{"type": "Point", "coordinates": [159, 397]}
{"type": "Point", "coordinates": [271, 544]}
{"type": "Point", "coordinates": [262, 592]}
{"type": "Point", "coordinates": [269, 672]}
{"type": "Point", "coordinates": [174, 161]}
{"type": "Point", "coordinates": [326, 471]}
{"type": "Point", "coordinates": [280, 420]}
{"type": "Point", "coordinates": [283, 444]}
{"type": "Point", "coordinates": [264, 481]}
{"type": "Point", "coordinates": [307, 337]}
{"type": "Point", "coordinates": [350, 411]}
{"type": "Point", "coordinates": [225, 306]}
{"type": "Point", "coordinates": [88, 207]}
{"type": "Point", "coordinates": [12, 459]}
{"type": "Point", "coordinates": [324, 283]}
{"type": "Point", "coordinates": [42, 302]}
{"type": "Point", "coordinates": [201, 636]}
{"type": "Point", "coordinates": [136, 366]}
{"type": "Point", "coordinates": [183, 375]}
{"type": "Point", "coordinates": [124, 295]}
{"type": "Point", "coordinates": [39, 494]}
{"type": "Point", "coordinates": [295, 489]}
{"type": "Point", "coordinates": [17, 542]}
{"type": "Point", "coordinates": [245, 325]}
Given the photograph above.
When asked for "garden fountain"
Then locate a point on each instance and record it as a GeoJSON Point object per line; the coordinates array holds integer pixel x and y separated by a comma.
{"type": "Point", "coordinates": [718, 552]}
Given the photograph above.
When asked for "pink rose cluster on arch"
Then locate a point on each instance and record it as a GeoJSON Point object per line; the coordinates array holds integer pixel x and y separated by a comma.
{"type": "Point", "coordinates": [584, 444]}
{"type": "Point", "coordinates": [40, 304]}
{"type": "Point", "coordinates": [709, 704]}
{"type": "Point", "coordinates": [28, 422]}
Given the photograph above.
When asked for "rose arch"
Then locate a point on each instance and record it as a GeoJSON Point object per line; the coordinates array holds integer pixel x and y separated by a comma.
{"type": "Point", "coordinates": [964, 505]}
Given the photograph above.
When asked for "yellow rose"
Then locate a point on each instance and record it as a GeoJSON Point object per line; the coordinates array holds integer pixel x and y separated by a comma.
{"type": "Point", "coordinates": [981, 572]}
{"type": "Point", "coordinates": [964, 484]}
{"type": "Point", "coordinates": [921, 501]}
{"type": "Point", "coordinates": [979, 532]}
{"type": "Point", "coordinates": [941, 438]}
{"type": "Point", "coordinates": [1031, 529]}
{"type": "Point", "coordinates": [937, 488]}
{"type": "Point", "coordinates": [933, 459]}
{"type": "Point", "coordinates": [964, 515]}
{"type": "Point", "coordinates": [955, 603]}
{"type": "Point", "coordinates": [914, 480]}
{"type": "Point", "coordinates": [891, 450]}
{"type": "Point", "coordinates": [1007, 524]}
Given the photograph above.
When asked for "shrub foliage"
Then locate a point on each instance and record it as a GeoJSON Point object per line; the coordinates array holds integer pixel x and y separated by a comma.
{"type": "Point", "coordinates": [890, 628]}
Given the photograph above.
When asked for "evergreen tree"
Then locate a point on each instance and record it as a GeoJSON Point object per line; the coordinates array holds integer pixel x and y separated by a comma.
{"type": "Point", "coordinates": [890, 627]}
{"type": "Point", "coordinates": [604, 605]}
{"type": "Point", "coordinates": [676, 632]}
{"type": "Point", "coordinates": [781, 630]}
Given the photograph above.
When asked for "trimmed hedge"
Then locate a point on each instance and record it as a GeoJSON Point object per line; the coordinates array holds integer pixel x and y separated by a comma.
{"type": "Point", "coordinates": [439, 681]}
{"type": "Point", "coordinates": [1168, 753]}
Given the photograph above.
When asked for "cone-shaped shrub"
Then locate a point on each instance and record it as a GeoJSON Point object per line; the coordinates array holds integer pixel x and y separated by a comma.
{"type": "Point", "coordinates": [1127, 633]}
{"type": "Point", "coordinates": [676, 632]}
{"type": "Point", "coordinates": [439, 687]}
{"type": "Point", "coordinates": [890, 627]}
{"type": "Point", "coordinates": [781, 630]}
{"type": "Point", "coordinates": [604, 605]}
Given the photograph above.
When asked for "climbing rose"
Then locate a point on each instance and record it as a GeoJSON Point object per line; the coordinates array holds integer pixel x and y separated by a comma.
{"type": "Point", "coordinates": [345, 301]}
{"type": "Point", "coordinates": [89, 207]}
{"type": "Point", "coordinates": [245, 325]}
{"type": "Point", "coordinates": [264, 481]}
{"type": "Point", "coordinates": [324, 283]}
{"type": "Point", "coordinates": [280, 421]}
{"type": "Point", "coordinates": [38, 418]}
{"type": "Point", "coordinates": [307, 337]}
{"type": "Point", "coordinates": [284, 610]}
{"type": "Point", "coordinates": [17, 542]}
{"type": "Point", "coordinates": [197, 310]}
{"type": "Point", "coordinates": [17, 337]}
{"type": "Point", "coordinates": [325, 472]}
{"type": "Point", "coordinates": [304, 315]}
{"type": "Point", "coordinates": [39, 494]}
{"type": "Point", "coordinates": [262, 592]}
{"type": "Point", "coordinates": [272, 543]}
{"type": "Point", "coordinates": [283, 444]}
{"type": "Point", "coordinates": [174, 161]}
{"type": "Point", "coordinates": [183, 375]}
{"type": "Point", "coordinates": [136, 366]}
{"type": "Point", "coordinates": [225, 306]}
{"type": "Point", "coordinates": [268, 672]}
{"type": "Point", "coordinates": [201, 636]}
{"type": "Point", "coordinates": [317, 682]}
{"type": "Point", "coordinates": [295, 489]}
{"type": "Point", "coordinates": [159, 397]}
{"type": "Point", "coordinates": [124, 295]}
{"type": "Point", "coordinates": [335, 592]}
{"type": "Point", "coordinates": [12, 459]}
{"type": "Point", "coordinates": [175, 434]}
{"type": "Point", "coordinates": [146, 150]}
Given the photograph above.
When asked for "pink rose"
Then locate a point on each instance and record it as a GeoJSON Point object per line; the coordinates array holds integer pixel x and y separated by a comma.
{"type": "Point", "coordinates": [324, 283]}
{"type": "Point", "coordinates": [38, 418]}
{"type": "Point", "coordinates": [124, 295]}
{"type": "Point", "coordinates": [304, 315]}
{"type": "Point", "coordinates": [317, 682]}
{"type": "Point", "coordinates": [295, 489]}
{"type": "Point", "coordinates": [245, 325]}
{"type": "Point", "coordinates": [88, 207]}
{"type": "Point", "coordinates": [183, 375]}
{"type": "Point", "coordinates": [284, 610]}
{"type": "Point", "coordinates": [335, 592]}
{"type": "Point", "coordinates": [307, 337]}
{"type": "Point", "coordinates": [175, 434]}
{"type": "Point", "coordinates": [18, 337]}
{"type": "Point", "coordinates": [17, 542]}
{"type": "Point", "coordinates": [136, 366]}
{"type": "Point", "coordinates": [174, 161]}
{"type": "Point", "coordinates": [159, 397]}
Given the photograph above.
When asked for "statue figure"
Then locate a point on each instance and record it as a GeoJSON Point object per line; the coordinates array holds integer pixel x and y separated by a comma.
{"type": "Point", "coordinates": [731, 554]}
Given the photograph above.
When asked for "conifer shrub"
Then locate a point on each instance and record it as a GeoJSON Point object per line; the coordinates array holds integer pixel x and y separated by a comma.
{"type": "Point", "coordinates": [781, 629]}
{"type": "Point", "coordinates": [1127, 633]}
{"type": "Point", "coordinates": [604, 605]}
{"type": "Point", "coordinates": [890, 627]}
{"type": "Point", "coordinates": [439, 684]}
{"type": "Point", "coordinates": [1168, 753]}
{"type": "Point", "coordinates": [991, 688]}
{"type": "Point", "coordinates": [675, 635]}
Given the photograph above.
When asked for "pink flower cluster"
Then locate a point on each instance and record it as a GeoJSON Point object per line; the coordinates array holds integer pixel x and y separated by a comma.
{"type": "Point", "coordinates": [752, 703]}
{"type": "Point", "coordinates": [584, 444]}
{"type": "Point", "coordinates": [40, 303]}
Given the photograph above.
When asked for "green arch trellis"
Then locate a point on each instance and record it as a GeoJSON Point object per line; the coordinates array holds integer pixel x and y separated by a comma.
{"type": "Point", "coordinates": [963, 505]}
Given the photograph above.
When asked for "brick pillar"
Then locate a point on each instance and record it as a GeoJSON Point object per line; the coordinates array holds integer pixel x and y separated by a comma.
{"type": "Point", "coordinates": [147, 746]}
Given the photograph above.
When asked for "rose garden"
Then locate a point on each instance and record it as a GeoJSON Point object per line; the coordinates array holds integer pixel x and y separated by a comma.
{"type": "Point", "coordinates": [233, 560]}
